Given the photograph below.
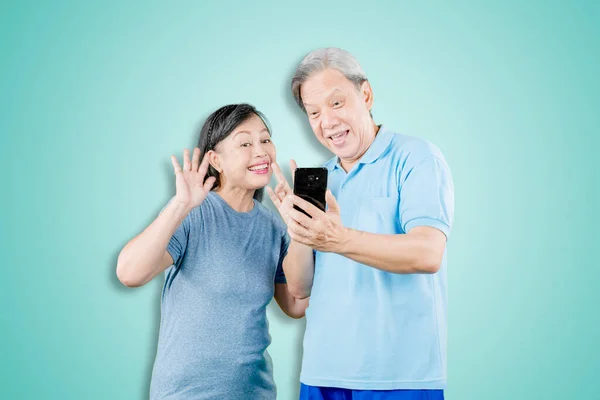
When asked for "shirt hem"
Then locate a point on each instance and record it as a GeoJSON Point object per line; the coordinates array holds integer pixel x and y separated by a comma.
{"type": "Point", "coordinates": [431, 222]}
{"type": "Point", "coordinates": [374, 385]}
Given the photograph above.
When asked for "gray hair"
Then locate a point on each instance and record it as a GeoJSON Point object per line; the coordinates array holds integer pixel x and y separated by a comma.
{"type": "Point", "coordinates": [321, 59]}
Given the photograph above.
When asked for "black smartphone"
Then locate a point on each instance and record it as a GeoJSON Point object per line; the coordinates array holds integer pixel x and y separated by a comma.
{"type": "Point", "coordinates": [310, 184]}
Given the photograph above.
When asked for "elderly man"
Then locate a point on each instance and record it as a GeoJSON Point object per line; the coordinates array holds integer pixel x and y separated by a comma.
{"type": "Point", "coordinates": [373, 264]}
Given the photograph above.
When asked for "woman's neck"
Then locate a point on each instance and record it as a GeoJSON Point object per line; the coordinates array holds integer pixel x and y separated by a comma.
{"type": "Point", "coordinates": [241, 200]}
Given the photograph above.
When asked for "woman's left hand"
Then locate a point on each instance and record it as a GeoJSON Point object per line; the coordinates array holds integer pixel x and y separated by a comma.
{"type": "Point", "coordinates": [282, 196]}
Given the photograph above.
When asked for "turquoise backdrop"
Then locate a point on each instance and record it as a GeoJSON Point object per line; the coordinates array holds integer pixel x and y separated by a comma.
{"type": "Point", "coordinates": [95, 97]}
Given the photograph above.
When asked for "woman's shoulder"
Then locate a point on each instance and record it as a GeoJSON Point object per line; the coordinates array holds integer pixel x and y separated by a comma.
{"type": "Point", "coordinates": [271, 216]}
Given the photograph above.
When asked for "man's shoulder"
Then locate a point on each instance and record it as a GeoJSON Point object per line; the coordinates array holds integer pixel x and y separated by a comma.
{"type": "Point", "coordinates": [412, 148]}
{"type": "Point", "coordinates": [329, 164]}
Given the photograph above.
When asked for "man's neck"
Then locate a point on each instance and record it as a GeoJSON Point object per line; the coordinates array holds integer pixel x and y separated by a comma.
{"type": "Point", "coordinates": [348, 164]}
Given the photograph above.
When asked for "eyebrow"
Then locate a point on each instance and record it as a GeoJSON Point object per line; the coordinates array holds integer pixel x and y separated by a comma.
{"type": "Point", "coordinates": [329, 96]}
{"type": "Point", "coordinates": [249, 133]}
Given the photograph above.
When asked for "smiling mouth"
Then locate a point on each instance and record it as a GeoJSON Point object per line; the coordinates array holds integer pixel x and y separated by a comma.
{"type": "Point", "coordinates": [261, 169]}
{"type": "Point", "coordinates": [339, 137]}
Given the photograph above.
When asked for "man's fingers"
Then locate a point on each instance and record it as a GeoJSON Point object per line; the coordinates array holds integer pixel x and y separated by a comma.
{"type": "Point", "coordinates": [332, 204]}
{"type": "Point", "coordinates": [301, 218]}
{"type": "Point", "coordinates": [298, 230]}
{"type": "Point", "coordinates": [306, 206]}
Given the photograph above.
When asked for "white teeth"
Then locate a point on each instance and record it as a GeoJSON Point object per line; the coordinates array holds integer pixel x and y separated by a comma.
{"type": "Point", "coordinates": [257, 167]}
{"type": "Point", "coordinates": [338, 135]}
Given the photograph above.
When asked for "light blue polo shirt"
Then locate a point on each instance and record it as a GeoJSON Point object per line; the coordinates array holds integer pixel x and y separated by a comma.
{"type": "Point", "coordinates": [370, 329]}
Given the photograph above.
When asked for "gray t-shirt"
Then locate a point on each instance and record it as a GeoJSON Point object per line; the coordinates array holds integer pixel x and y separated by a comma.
{"type": "Point", "coordinates": [214, 330]}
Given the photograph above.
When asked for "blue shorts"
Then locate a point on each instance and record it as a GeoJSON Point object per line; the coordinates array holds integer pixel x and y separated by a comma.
{"type": "Point", "coordinates": [326, 393]}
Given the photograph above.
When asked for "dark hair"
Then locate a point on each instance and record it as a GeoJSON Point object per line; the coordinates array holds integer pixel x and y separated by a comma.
{"type": "Point", "coordinates": [219, 125]}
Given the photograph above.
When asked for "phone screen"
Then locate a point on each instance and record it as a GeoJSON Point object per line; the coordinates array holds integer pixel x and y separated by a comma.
{"type": "Point", "coordinates": [310, 184]}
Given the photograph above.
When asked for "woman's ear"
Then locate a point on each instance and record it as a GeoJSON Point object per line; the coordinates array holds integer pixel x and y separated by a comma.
{"type": "Point", "coordinates": [214, 160]}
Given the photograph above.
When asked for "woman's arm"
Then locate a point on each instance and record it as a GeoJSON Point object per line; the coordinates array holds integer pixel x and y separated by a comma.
{"type": "Point", "coordinates": [146, 255]}
{"type": "Point", "coordinates": [290, 305]}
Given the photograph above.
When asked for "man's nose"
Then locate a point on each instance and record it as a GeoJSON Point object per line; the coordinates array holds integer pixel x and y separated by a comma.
{"type": "Point", "coordinates": [329, 119]}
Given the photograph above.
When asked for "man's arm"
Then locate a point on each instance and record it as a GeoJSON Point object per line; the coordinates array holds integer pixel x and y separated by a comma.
{"type": "Point", "coordinates": [425, 211]}
{"type": "Point", "coordinates": [418, 251]}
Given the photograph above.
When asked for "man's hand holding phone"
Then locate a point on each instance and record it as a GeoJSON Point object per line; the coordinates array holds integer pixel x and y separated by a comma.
{"type": "Point", "coordinates": [321, 230]}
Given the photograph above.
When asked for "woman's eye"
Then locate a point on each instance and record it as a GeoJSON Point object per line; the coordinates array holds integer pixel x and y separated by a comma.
{"type": "Point", "coordinates": [267, 141]}
{"type": "Point", "coordinates": [246, 144]}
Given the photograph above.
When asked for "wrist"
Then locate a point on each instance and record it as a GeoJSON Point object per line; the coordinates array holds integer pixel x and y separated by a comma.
{"type": "Point", "coordinates": [180, 208]}
{"type": "Point", "coordinates": [347, 237]}
{"type": "Point", "coordinates": [298, 247]}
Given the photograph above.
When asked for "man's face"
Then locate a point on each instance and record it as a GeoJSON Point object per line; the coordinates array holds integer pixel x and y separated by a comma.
{"type": "Point", "coordinates": [338, 113]}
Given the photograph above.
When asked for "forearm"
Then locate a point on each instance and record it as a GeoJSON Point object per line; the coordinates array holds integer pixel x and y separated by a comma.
{"type": "Point", "coordinates": [401, 254]}
{"type": "Point", "coordinates": [290, 305]}
{"type": "Point", "coordinates": [143, 257]}
{"type": "Point", "coordinates": [299, 268]}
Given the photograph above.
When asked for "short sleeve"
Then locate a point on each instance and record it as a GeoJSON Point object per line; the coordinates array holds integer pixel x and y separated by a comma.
{"type": "Point", "coordinates": [285, 244]}
{"type": "Point", "coordinates": [427, 195]}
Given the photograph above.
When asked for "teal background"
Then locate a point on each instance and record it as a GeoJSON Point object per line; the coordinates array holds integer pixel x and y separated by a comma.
{"type": "Point", "coordinates": [94, 98]}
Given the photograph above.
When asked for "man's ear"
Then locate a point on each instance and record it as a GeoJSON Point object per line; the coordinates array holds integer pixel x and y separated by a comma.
{"type": "Point", "coordinates": [366, 93]}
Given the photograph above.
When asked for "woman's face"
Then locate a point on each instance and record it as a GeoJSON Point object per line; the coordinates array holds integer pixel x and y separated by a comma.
{"type": "Point", "coordinates": [244, 158]}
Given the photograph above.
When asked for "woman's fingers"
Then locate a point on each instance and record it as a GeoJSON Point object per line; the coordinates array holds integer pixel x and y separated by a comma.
{"type": "Point", "coordinates": [195, 159]}
{"type": "Point", "coordinates": [187, 165]}
{"type": "Point", "coordinates": [176, 166]}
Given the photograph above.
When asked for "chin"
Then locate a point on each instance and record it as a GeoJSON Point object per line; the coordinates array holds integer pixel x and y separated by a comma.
{"type": "Point", "coordinates": [345, 153]}
{"type": "Point", "coordinates": [259, 182]}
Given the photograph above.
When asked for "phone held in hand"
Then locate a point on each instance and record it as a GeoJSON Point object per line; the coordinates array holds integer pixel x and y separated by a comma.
{"type": "Point", "coordinates": [310, 184]}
